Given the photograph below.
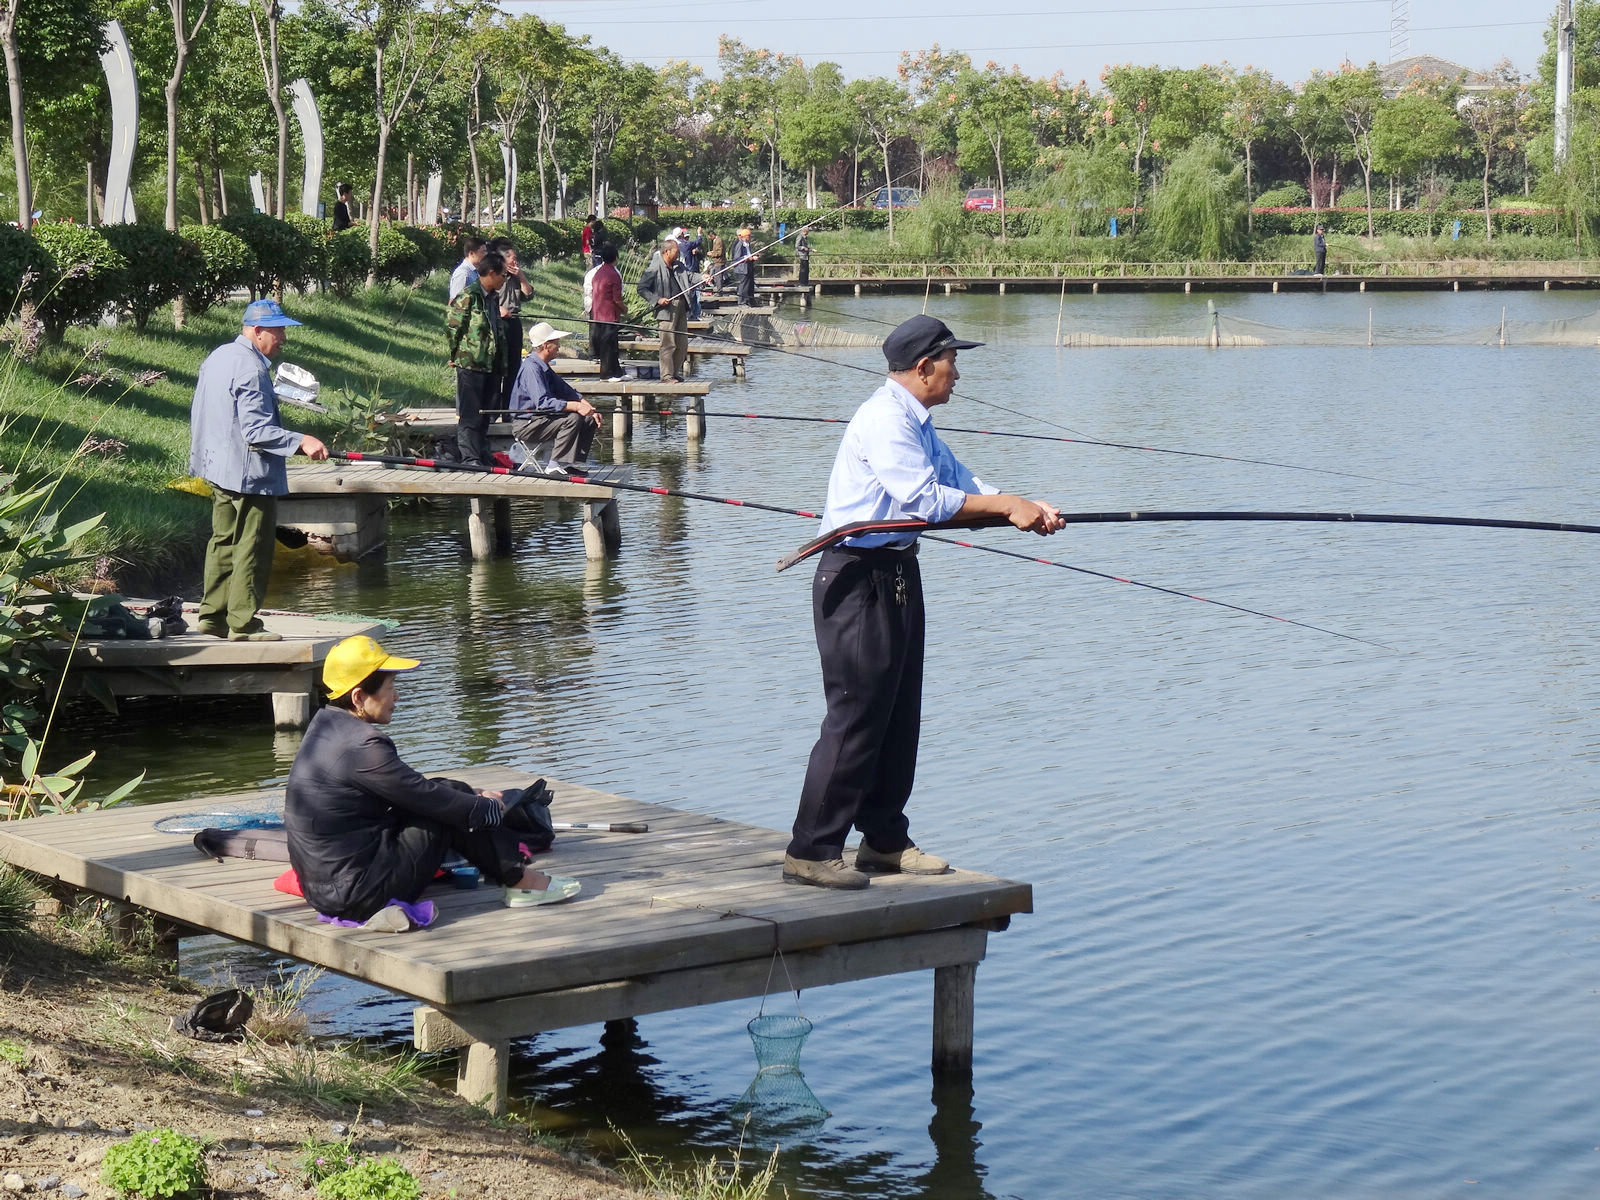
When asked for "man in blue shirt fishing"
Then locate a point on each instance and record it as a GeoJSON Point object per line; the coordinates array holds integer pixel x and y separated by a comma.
{"type": "Point", "coordinates": [866, 604]}
{"type": "Point", "coordinates": [547, 407]}
{"type": "Point", "coordinates": [237, 444]}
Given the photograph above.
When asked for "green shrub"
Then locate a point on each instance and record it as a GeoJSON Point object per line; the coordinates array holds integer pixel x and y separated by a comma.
{"type": "Point", "coordinates": [318, 231]}
{"type": "Point", "coordinates": [432, 253]}
{"type": "Point", "coordinates": [284, 255]}
{"type": "Point", "coordinates": [531, 246]}
{"type": "Point", "coordinates": [227, 264]}
{"type": "Point", "coordinates": [935, 227]}
{"type": "Point", "coordinates": [398, 260]}
{"type": "Point", "coordinates": [161, 267]}
{"type": "Point", "coordinates": [160, 1163]}
{"type": "Point", "coordinates": [83, 274]}
{"type": "Point", "coordinates": [19, 254]}
{"type": "Point", "coordinates": [559, 243]}
{"type": "Point", "coordinates": [1406, 222]}
{"type": "Point", "coordinates": [1284, 195]}
{"type": "Point", "coordinates": [375, 1179]}
{"type": "Point", "coordinates": [321, 1159]}
{"type": "Point", "coordinates": [349, 260]}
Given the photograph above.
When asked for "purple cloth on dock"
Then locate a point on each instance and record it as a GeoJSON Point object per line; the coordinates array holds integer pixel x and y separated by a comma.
{"type": "Point", "coordinates": [421, 915]}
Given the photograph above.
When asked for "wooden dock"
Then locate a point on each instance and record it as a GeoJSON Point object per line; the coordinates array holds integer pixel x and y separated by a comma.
{"type": "Point", "coordinates": [1111, 282]}
{"type": "Point", "coordinates": [197, 664]}
{"type": "Point", "coordinates": [734, 353]}
{"type": "Point", "coordinates": [631, 402]}
{"type": "Point", "coordinates": [691, 913]}
{"type": "Point", "coordinates": [343, 506]}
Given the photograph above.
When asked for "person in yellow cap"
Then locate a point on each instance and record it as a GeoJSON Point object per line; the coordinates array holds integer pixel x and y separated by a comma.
{"type": "Point", "coordinates": [366, 830]}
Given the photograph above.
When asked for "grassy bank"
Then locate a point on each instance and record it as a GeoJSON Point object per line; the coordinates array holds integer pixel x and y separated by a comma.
{"type": "Point", "coordinates": [109, 407]}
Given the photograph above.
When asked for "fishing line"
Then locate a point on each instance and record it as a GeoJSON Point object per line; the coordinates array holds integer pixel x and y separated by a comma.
{"type": "Point", "coordinates": [1079, 437]}
{"type": "Point", "coordinates": [440, 465]}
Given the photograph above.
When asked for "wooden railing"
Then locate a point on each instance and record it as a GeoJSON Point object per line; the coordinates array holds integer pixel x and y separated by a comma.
{"type": "Point", "coordinates": [824, 269]}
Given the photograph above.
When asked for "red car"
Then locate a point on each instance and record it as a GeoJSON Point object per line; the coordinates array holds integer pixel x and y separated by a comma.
{"type": "Point", "coordinates": [986, 199]}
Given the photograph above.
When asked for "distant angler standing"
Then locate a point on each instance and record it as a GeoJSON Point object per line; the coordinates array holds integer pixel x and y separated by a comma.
{"type": "Point", "coordinates": [237, 444]}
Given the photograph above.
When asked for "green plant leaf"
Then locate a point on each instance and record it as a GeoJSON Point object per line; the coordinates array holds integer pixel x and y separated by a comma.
{"type": "Point", "coordinates": [30, 759]}
{"type": "Point", "coordinates": [120, 793]}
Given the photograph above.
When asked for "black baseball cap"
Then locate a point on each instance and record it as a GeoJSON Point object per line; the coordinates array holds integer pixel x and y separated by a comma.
{"type": "Point", "coordinates": [920, 337]}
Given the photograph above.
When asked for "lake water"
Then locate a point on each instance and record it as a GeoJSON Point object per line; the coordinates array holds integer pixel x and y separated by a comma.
{"type": "Point", "coordinates": [1312, 917]}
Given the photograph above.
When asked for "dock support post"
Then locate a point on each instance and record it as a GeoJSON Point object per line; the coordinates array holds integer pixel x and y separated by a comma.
{"type": "Point", "coordinates": [291, 710]}
{"type": "Point", "coordinates": [947, 289]}
{"type": "Point", "coordinates": [478, 529]}
{"type": "Point", "coordinates": [953, 990]}
{"type": "Point", "coordinates": [738, 367]}
{"type": "Point", "coordinates": [482, 1075]}
{"type": "Point", "coordinates": [602, 530]}
{"type": "Point", "coordinates": [639, 404]}
{"type": "Point", "coordinates": [694, 423]}
{"type": "Point", "coordinates": [621, 422]}
{"type": "Point", "coordinates": [1274, 287]}
{"type": "Point", "coordinates": [1363, 286]}
{"type": "Point", "coordinates": [1002, 287]}
{"type": "Point", "coordinates": [502, 526]}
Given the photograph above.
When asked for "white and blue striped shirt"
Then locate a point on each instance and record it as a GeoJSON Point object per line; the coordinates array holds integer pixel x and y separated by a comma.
{"type": "Point", "coordinates": [893, 466]}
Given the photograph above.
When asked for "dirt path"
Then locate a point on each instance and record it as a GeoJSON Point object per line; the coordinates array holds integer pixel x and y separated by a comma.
{"type": "Point", "coordinates": [87, 1057]}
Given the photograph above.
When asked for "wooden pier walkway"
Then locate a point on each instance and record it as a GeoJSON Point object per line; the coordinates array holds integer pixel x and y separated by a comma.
{"type": "Point", "coordinates": [1114, 283]}
{"type": "Point", "coordinates": [631, 402]}
{"type": "Point", "coordinates": [690, 913]}
{"type": "Point", "coordinates": [735, 354]}
{"type": "Point", "coordinates": [197, 664]}
{"type": "Point", "coordinates": [343, 506]}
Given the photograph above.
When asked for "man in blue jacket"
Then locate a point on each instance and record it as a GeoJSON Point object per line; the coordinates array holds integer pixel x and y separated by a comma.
{"type": "Point", "coordinates": [237, 444]}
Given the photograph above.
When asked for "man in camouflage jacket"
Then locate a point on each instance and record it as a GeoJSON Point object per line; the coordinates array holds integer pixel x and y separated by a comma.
{"type": "Point", "coordinates": [476, 353]}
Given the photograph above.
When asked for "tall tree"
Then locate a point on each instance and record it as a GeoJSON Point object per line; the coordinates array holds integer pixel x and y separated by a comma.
{"type": "Point", "coordinates": [883, 110]}
{"type": "Point", "coordinates": [1133, 98]}
{"type": "Point", "coordinates": [929, 77]}
{"type": "Point", "coordinates": [1494, 118]}
{"type": "Point", "coordinates": [995, 129]}
{"type": "Point", "coordinates": [267, 49]}
{"type": "Point", "coordinates": [818, 129]}
{"type": "Point", "coordinates": [1315, 124]}
{"type": "Point", "coordinates": [184, 35]}
{"type": "Point", "coordinates": [406, 39]}
{"type": "Point", "coordinates": [1254, 110]}
{"type": "Point", "coordinates": [1411, 135]}
{"type": "Point", "coordinates": [1357, 96]}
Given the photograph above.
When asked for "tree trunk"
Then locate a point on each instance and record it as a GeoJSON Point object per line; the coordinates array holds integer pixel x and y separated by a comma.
{"type": "Point", "coordinates": [1488, 223]}
{"type": "Point", "coordinates": [377, 202]}
{"type": "Point", "coordinates": [1249, 193]}
{"type": "Point", "coordinates": [222, 191]}
{"type": "Point", "coordinates": [411, 186]}
{"type": "Point", "coordinates": [477, 183]}
{"type": "Point", "coordinates": [200, 192]}
{"type": "Point", "coordinates": [19, 135]}
{"type": "Point", "coordinates": [1366, 179]}
{"type": "Point", "coordinates": [1000, 175]}
{"type": "Point", "coordinates": [888, 187]}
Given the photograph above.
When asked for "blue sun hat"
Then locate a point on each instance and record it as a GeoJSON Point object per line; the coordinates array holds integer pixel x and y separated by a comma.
{"type": "Point", "coordinates": [268, 314]}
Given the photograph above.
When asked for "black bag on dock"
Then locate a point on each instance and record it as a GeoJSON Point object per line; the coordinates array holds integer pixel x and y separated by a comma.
{"type": "Point", "coordinates": [218, 1018]}
{"type": "Point", "coordinates": [528, 815]}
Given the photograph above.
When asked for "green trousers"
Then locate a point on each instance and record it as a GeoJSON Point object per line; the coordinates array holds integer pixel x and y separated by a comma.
{"type": "Point", "coordinates": [238, 559]}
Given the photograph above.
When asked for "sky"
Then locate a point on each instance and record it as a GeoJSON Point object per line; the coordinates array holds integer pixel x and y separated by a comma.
{"type": "Point", "coordinates": [1078, 38]}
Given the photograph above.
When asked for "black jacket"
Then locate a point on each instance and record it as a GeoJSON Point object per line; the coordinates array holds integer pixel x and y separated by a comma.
{"type": "Point", "coordinates": [349, 795]}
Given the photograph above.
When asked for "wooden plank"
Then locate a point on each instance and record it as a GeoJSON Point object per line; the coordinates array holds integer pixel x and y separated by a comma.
{"type": "Point", "coordinates": [434, 1029]}
{"type": "Point", "coordinates": [366, 479]}
{"type": "Point", "coordinates": [653, 346]}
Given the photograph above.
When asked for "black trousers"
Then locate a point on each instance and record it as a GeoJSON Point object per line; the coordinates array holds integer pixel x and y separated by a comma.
{"type": "Point", "coordinates": [805, 272]}
{"type": "Point", "coordinates": [407, 861]}
{"type": "Point", "coordinates": [866, 607]}
{"type": "Point", "coordinates": [475, 392]}
{"type": "Point", "coordinates": [1322, 261]}
{"type": "Point", "coordinates": [747, 288]}
{"type": "Point", "coordinates": [603, 346]}
{"type": "Point", "coordinates": [511, 347]}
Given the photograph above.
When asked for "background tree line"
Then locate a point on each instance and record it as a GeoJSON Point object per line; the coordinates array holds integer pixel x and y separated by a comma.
{"type": "Point", "coordinates": [406, 87]}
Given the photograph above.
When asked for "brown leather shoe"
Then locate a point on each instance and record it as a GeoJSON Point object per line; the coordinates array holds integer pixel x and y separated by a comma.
{"type": "Point", "coordinates": [829, 873]}
{"type": "Point", "coordinates": [909, 861]}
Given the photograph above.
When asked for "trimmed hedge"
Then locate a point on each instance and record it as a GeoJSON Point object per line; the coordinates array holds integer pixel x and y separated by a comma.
{"type": "Point", "coordinates": [349, 260]}
{"type": "Point", "coordinates": [398, 259]}
{"type": "Point", "coordinates": [1406, 222]}
{"type": "Point", "coordinates": [432, 252]}
{"type": "Point", "coordinates": [161, 266]}
{"type": "Point", "coordinates": [19, 254]}
{"type": "Point", "coordinates": [227, 264]}
{"type": "Point", "coordinates": [284, 256]}
{"type": "Point", "coordinates": [83, 274]}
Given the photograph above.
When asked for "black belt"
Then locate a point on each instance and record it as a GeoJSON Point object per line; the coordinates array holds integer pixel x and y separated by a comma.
{"type": "Point", "coordinates": [870, 552]}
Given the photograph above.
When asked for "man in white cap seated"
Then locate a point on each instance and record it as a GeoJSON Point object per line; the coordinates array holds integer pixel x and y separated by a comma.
{"type": "Point", "coordinates": [546, 405]}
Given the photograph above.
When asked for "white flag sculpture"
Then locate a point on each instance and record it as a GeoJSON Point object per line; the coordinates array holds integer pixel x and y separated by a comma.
{"type": "Point", "coordinates": [123, 85]}
{"type": "Point", "coordinates": [305, 111]}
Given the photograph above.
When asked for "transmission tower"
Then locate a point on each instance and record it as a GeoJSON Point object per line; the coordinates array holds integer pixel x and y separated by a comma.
{"type": "Point", "coordinates": [1399, 29]}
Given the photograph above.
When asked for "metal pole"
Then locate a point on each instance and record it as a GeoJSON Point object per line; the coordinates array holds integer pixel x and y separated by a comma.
{"type": "Point", "coordinates": [1061, 310]}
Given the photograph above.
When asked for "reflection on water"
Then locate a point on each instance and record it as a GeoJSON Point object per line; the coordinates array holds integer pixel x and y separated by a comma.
{"type": "Point", "coordinates": [1310, 918]}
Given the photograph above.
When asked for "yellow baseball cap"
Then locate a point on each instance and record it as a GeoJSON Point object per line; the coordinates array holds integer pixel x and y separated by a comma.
{"type": "Point", "coordinates": [353, 659]}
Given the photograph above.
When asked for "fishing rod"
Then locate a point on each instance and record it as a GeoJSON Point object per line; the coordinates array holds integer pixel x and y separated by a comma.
{"type": "Point", "coordinates": [859, 528]}
{"type": "Point", "coordinates": [572, 475]}
{"type": "Point", "coordinates": [846, 531]}
{"type": "Point", "coordinates": [1079, 437]}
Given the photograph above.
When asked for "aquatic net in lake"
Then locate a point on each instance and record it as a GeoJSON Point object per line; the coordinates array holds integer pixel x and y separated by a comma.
{"type": "Point", "coordinates": [1218, 330]}
{"type": "Point", "coordinates": [760, 329]}
{"type": "Point", "coordinates": [778, 1099]}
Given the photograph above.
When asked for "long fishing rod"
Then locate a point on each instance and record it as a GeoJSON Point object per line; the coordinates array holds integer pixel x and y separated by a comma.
{"type": "Point", "coordinates": [859, 528]}
{"type": "Point", "coordinates": [572, 476]}
{"type": "Point", "coordinates": [442, 465]}
{"type": "Point", "coordinates": [1079, 437]}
